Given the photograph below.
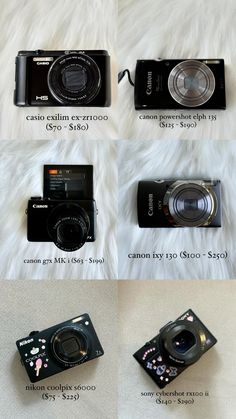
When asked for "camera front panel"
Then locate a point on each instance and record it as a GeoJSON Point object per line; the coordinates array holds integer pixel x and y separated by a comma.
{"type": "Point", "coordinates": [37, 214]}
{"type": "Point", "coordinates": [49, 352]}
{"type": "Point", "coordinates": [153, 89]}
{"type": "Point", "coordinates": [36, 66]}
{"type": "Point", "coordinates": [164, 361]}
{"type": "Point", "coordinates": [44, 217]}
{"type": "Point", "coordinates": [155, 364]}
{"type": "Point", "coordinates": [197, 203]}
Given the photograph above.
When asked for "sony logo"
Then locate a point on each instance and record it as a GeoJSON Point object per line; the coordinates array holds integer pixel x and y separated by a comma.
{"type": "Point", "coordinates": [149, 83]}
{"type": "Point", "coordinates": [40, 206]}
{"type": "Point", "coordinates": [25, 342]}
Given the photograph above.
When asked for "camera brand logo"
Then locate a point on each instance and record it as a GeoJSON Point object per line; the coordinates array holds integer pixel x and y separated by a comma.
{"type": "Point", "coordinates": [40, 206]}
{"type": "Point", "coordinates": [149, 83]}
{"type": "Point", "coordinates": [26, 341]}
{"type": "Point", "coordinates": [150, 205]}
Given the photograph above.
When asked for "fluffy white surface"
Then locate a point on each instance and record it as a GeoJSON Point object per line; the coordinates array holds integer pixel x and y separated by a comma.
{"type": "Point", "coordinates": [53, 25]}
{"type": "Point", "coordinates": [22, 177]}
{"type": "Point", "coordinates": [176, 159]}
{"type": "Point", "coordinates": [177, 29]}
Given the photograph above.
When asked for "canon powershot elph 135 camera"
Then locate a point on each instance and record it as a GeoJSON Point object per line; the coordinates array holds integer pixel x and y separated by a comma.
{"type": "Point", "coordinates": [66, 215]}
{"type": "Point", "coordinates": [178, 345]}
{"type": "Point", "coordinates": [63, 78]}
{"type": "Point", "coordinates": [179, 203]}
{"type": "Point", "coordinates": [180, 84]}
{"type": "Point", "coordinates": [59, 348]}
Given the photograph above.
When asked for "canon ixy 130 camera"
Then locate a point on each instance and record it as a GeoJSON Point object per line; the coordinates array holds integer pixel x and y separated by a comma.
{"type": "Point", "coordinates": [63, 78]}
{"type": "Point", "coordinates": [66, 215]}
{"type": "Point", "coordinates": [180, 84]}
{"type": "Point", "coordinates": [179, 203]}
{"type": "Point", "coordinates": [59, 348]}
{"type": "Point", "coordinates": [178, 345]}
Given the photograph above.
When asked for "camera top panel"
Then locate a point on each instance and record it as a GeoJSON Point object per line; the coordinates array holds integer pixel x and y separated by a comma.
{"type": "Point", "coordinates": [45, 53]}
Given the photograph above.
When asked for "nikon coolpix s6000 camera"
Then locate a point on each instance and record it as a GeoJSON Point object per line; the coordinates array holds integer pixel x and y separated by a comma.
{"type": "Point", "coordinates": [59, 348]}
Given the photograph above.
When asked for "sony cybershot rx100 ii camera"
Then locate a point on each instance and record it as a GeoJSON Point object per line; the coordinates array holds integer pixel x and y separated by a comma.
{"type": "Point", "coordinates": [179, 203]}
{"type": "Point", "coordinates": [180, 84]}
{"type": "Point", "coordinates": [59, 348]}
{"type": "Point", "coordinates": [66, 215]}
{"type": "Point", "coordinates": [63, 78]}
{"type": "Point", "coordinates": [179, 344]}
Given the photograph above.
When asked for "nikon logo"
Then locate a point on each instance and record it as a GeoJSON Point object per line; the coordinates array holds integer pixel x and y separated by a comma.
{"type": "Point", "coordinates": [40, 206]}
{"type": "Point", "coordinates": [149, 83]}
{"type": "Point", "coordinates": [25, 342]}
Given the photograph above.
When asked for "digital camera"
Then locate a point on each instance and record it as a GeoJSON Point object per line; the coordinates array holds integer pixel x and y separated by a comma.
{"type": "Point", "coordinates": [67, 213]}
{"type": "Point", "coordinates": [180, 84]}
{"type": "Point", "coordinates": [59, 348]}
{"type": "Point", "coordinates": [63, 78]}
{"type": "Point", "coordinates": [179, 203]}
{"type": "Point", "coordinates": [178, 345]}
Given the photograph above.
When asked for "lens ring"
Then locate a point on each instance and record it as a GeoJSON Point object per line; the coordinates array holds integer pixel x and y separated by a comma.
{"type": "Point", "coordinates": [74, 216]}
{"type": "Point", "coordinates": [192, 353]}
{"type": "Point", "coordinates": [66, 72]}
{"type": "Point", "coordinates": [69, 345]}
{"type": "Point", "coordinates": [190, 204]}
{"type": "Point", "coordinates": [191, 83]}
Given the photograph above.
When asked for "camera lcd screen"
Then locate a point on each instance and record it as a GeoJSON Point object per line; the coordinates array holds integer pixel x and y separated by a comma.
{"type": "Point", "coordinates": [68, 182]}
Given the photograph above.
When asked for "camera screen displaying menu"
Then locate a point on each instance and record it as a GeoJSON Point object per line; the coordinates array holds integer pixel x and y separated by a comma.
{"type": "Point", "coordinates": [68, 182]}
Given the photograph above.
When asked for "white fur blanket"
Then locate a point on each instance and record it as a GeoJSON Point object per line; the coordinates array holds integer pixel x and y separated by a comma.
{"type": "Point", "coordinates": [53, 25]}
{"type": "Point", "coordinates": [140, 160]}
{"type": "Point", "coordinates": [177, 29]}
{"type": "Point", "coordinates": [21, 174]}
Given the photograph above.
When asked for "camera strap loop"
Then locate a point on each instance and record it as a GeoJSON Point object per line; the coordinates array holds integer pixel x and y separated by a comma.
{"type": "Point", "coordinates": [121, 75]}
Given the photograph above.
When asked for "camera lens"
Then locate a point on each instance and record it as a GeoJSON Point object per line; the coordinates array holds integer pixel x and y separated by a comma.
{"type": "Point", "coordinates": [183, 341]}
{"type": "Point", "coordinates": [190, 204]}
{"type": "Point", "coordinates": [191, 83]}
{"type": "Point", "coordinates": [68, 226]}
{"type": "Point", "coordinates": [69, 345]}
{"type": "Point", "coordinates": [74, 79]}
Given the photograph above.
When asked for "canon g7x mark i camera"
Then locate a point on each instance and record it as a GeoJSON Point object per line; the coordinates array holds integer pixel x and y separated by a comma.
{"type": "Point", "coordinates": [66, 215]}
{"type": "Point", "coordinates": [178, 345]}
{"type": "Point", "coordinates": [180, 84]}
{"type": "Point", "coordinates": [179, 203]}
{"type": "Point", "coordinates": [59, 348]}
{"type": "Point", "coordinates": [63, 78]}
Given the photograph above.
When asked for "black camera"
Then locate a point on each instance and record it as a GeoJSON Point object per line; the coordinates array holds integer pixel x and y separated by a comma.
{"type": "Point", "coordinates": [180, 84]}
{"type": "Point", "coordinates": [179, 203]}
{"type": "Point", "coordinates": [179, 344]}
{"type": "Point", "coordinates": [59, 348]}
{"type": "Point", "coordinates": [63, 78]}
{"type": "Point", "coordinates": [67, 213]}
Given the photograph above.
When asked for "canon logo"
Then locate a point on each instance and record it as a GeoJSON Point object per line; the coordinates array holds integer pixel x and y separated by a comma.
{"type": "Point", "coordinates": [43, 63]}
{"type": "Point", "coordinates": [25, 342]}
{"type": "Point", "coordinates": [149, 83]}
{"type": "Point", "coordinates": [40, 206]}
{"type": "Point", "coordinates": [150, 205]}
